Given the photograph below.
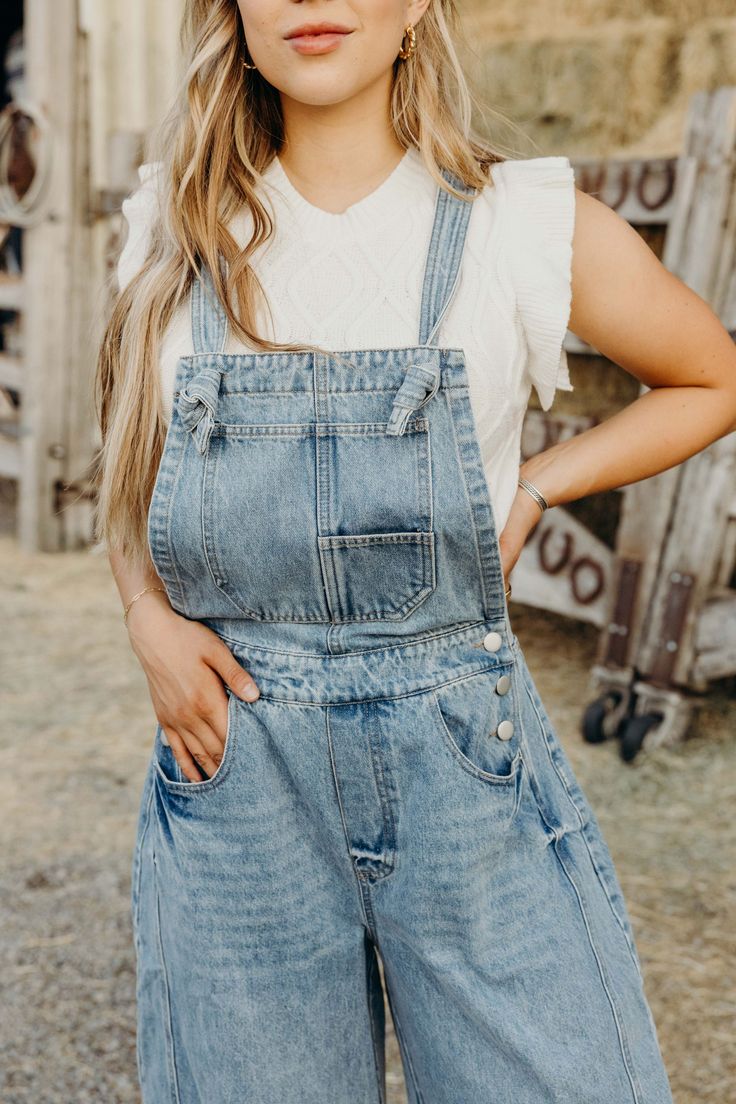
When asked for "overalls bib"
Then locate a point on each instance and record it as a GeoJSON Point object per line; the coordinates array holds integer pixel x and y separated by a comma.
{"type": "Point", "coordinates": [398, 788]}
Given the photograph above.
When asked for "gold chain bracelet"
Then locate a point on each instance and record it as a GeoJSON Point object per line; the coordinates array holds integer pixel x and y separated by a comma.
{"type": "Point", "coordinates": [138, 595]}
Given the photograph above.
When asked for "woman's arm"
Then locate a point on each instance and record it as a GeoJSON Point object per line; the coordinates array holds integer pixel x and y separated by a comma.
{"type": "Point", "coordinates": [130, 581]}
{"type": "Point", "coordinates": [185, 664]}
{"type": "Point", "coordinates": [635, 312]}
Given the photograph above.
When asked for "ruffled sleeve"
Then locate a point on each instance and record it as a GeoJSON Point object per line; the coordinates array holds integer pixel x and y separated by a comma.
{"type": "Point", "coordinates": [138, 210]}
{"type": "Point", "coordinates": [538, 204]}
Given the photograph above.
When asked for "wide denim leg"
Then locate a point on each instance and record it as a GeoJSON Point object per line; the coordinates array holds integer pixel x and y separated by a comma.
{"type": "Point", "coordinates": [258, 981]}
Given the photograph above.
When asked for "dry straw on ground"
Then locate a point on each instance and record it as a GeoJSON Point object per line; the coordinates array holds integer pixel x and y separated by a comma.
{"type": "Point", "coordinates": [76, 736]}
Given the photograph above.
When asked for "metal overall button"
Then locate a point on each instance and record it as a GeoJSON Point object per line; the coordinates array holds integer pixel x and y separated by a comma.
{"type": "Point", "coordinates": [504, 731]}
{"type": "Point", "coordinates": [503, 685]}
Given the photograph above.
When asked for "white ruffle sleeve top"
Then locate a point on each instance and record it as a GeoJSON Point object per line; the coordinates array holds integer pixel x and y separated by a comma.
{"type": "Point", "coordinates": [354, 280]}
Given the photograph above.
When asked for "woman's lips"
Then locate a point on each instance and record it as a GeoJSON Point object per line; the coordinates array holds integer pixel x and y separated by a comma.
{"type": "Point", "coordinates": [320, 43]}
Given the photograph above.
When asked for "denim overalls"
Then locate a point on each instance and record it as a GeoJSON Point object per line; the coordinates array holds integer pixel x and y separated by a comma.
{"type": "Point", "coordinates": [398, 786]}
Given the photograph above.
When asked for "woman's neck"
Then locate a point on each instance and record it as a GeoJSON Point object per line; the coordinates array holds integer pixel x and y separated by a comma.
{"type": "Point", "coordinates": [336, 155]}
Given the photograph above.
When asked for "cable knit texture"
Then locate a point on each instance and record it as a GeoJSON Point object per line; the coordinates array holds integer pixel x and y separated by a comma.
{"type": "Point", "coordinates": [354, 280]}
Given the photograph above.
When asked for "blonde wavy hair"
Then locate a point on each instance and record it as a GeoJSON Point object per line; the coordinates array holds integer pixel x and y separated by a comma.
{"type": "Point", "coordinates": [223, 129]}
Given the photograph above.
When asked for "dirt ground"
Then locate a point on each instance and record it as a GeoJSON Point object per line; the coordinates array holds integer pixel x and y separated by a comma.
{"type": "Point", "coordinates": [76, 735]}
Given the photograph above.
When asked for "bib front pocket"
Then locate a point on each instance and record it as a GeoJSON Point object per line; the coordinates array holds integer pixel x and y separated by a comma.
{"type": "Point", "coordinates": [376, 543]}
{"type": "Point", "coordinates": [259, 526]}
{"type": "Point", "coordinates": [320, 521]}
{"type": "Point", "coordinates": [288, 500]}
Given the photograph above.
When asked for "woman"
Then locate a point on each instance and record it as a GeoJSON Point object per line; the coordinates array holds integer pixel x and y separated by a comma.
{"type": "Point", "coordinates": [312, 544]}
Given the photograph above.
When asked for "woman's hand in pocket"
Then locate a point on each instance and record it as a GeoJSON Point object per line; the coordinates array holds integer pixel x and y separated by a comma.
{"type": "Point", "coordinates": [186, 665]}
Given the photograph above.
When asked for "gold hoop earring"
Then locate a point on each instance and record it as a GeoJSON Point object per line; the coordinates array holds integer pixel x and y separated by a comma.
{"type": "Point", "coordinates": [408, 53]}
{"type": "Point", "coordinates": [247, 65]}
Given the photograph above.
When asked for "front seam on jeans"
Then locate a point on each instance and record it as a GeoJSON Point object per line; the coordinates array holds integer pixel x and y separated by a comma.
{"type": "Point", "coordinates": [605, 889]}
{"type": "Point", "coordinates": [338, 797]}
{"type": "Point", "coordinates": [138, 873]}
{"type": "Point", "coordinates": [419, 1099]}
{"type": "Point", "coordinates": [623, 1042]}
{"type": "Point", "coordinates": [555, 768]}
{"type": "Point", "coordinates": [374, 1040]}
{"type": "Point", "coordinates": [173, 1080]}
{"type": "Point", "coordinates": [383, 795]}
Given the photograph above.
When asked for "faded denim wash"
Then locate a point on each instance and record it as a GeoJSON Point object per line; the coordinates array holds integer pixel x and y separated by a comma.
{"type": "Point", "coordinates": [398, 788]}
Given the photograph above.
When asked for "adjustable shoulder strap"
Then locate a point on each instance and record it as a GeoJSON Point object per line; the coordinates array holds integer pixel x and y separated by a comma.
{"type": "Point", "coordinates": [209, 322]}
{"type": "Point", "coordinates": [442, 267]}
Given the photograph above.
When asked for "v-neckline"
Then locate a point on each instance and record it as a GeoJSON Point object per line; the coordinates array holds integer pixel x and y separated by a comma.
{"type": "Point", "coordinates": [358, 213]}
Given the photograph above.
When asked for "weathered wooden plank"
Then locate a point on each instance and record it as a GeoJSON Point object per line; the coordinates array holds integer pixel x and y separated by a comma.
{"type": "Point", "coordinates": [9, 456]}
{"type": "Point", "coordinates": [48, 268]}
{"type": "Point", "coordinates": [134, 63]}
{"type": "Point", "coordinates": [692, 549]}
{"type": "Point", "coordinates": [543, 428]}
{"type": "Point", "coordinates": [641, 190]}
{"type": "Point", "coordinates": [80, 427]}
{"type": "Point", "coordinates": [645, 515]}
{"type": "Point", "coordinates": [724, 286]}
{"type": "Point", "coordinates": [690, 559]}
{"type": "Point", "coordinates": [564, 567]}
{"type": "Point", "coordinates": [727, 566]}
{"type": "Point", "coordinates": [715, 640]}
{"type": "Point", "coordinates": [694, 245]}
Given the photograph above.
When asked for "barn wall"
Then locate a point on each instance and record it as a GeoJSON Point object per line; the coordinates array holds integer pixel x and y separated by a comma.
{"type": "Point", "coordinates": [133, 58]}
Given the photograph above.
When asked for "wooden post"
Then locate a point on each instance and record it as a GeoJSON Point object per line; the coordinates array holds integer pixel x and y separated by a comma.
{"type": "Point", "coordinates": [74, 499]}
{"type": "Point", "coordinates": [55, 424]}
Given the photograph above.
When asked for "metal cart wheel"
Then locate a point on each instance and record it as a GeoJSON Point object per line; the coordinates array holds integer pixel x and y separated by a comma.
{"type": "Point", "coordinates": [634, 731]}
{"type": "Point", "coordinates": [601, 720]}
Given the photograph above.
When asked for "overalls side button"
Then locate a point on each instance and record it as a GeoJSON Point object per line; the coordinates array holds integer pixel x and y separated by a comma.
{"type": "Point", "coordinates": [505, 730]}
{"type": "Point", "coordinates": [503, 685]}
